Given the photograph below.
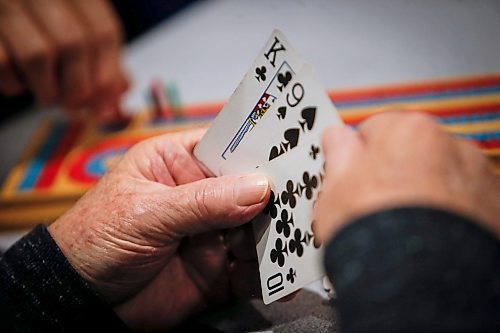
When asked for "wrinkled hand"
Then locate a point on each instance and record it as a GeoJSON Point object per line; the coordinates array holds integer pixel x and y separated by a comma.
{"type": "Point", "coordinates": [148, 235]}
{"type": "Point", "coordinates": [400, 159]}
{"type": "Point", "coordinates": [64, 52]}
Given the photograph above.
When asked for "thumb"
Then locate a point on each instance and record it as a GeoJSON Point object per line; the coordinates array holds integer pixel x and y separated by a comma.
{"type": "Point", "coordinates": [340, 145]}
{"type": "Point", "coordinates": [215, 203]}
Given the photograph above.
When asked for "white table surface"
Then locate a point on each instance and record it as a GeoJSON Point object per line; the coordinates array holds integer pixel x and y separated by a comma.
{"type": "Point", "coordinates": [208, 48]}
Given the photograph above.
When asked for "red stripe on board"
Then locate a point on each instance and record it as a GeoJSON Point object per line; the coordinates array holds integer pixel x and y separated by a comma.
{"type": "Point", "coordinates": [376, 92]}
{"type": "Point", "coordinates": [439, 112]}
{"type": "Point", "coordinates": [488, 144]}
{"type": "Point", "coordinates": [413, 89]}
{"type": "Point", "coordinates": [54, 162]}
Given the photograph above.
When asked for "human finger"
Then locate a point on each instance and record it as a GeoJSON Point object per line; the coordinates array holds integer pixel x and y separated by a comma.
{"type": "Point", "coordinates": [70, 42]}
{"type": "Point", "coordinates": [240, 242]}
{"type": "Point", "coordinates": [340, 144]}
{"type": "Point", "coordinates": [106, 36]}
{"type": "Point", "coordinates": [167, 159]}
{"type": "Point", "coordinates": [106, 102]}
{"type": "Point", "coordinates": [35, 59]}
{"type": "Point", "coordinates": [244, 279]}
{"type": "Point", "coordinates": [10, 84]}
{"type": "Point", "coordinates": [211, 204]}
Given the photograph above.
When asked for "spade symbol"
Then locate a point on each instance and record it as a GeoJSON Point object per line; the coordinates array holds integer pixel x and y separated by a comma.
{"type": "Point", "coordinates": [284, 79]}
{"type": "Point", "coordinates": [309, 115]}
{"type": "Point", "coordinates": [292, 137]}
{"type": "Point", "coordinates": [273, 153]}
{"type": "Point", "coordinates": [261, 73]}
{"type": "Point", "coordinates": [282, 112]}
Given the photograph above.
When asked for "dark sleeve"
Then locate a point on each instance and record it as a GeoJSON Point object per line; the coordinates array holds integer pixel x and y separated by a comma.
{"type": "Point", "coordinates": [415, 269]}
{"type": "Point", "coordinates": [41, 292]}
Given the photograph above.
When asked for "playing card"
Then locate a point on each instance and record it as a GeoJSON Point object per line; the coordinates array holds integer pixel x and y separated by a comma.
{"type": "Point", "coordinates": [272, 70]}
{"type": "Point", "coordinates": [289, 254]}
{"type": "Point", "coordinates": [299, 115]}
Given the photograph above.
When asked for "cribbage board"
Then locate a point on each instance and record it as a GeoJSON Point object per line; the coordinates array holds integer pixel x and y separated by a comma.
{"type": "Point", "coordinates": [64, 159]}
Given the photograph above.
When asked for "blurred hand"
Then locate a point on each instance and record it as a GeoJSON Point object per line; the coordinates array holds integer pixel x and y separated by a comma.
{"type": "Point", "coordinates": [400, 159]}
{"type": "Point", "coordinates": [148, 235]}
{"type": "Point", "coordinates": [64, 52]}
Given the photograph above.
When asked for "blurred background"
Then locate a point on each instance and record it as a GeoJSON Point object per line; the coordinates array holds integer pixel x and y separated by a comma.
{"type": "Point", "coordinates": [204, 47]}
{"type": "Point", "coordinates": [208, 45]}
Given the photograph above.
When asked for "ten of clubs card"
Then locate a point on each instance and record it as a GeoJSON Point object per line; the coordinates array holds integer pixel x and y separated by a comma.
{"type": "Point", "coordinates": [282, 142]}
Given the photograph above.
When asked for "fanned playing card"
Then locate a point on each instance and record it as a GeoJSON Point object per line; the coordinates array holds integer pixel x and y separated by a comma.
{"type": "Point", "coordinates": [274, 122]}
{"type": "Point", "coordinates": [289, 254]}
{"type": "Point", "coordinates": [286, 147]}
{"type": "Point", "coordinates": [300, 115]}
{"type": "Point", "coordinates": [272, 70]}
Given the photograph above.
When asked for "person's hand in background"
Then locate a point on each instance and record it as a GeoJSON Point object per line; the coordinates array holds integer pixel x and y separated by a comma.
{"type": "Point", "coordinates": [397, 159]}
{"type": "Point", "coordinates": [66, 53]}
{"type": "Point", "coordinates": [148, 236]}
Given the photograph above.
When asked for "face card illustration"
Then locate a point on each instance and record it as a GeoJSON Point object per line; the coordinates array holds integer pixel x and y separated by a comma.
{"type": "Point", "coordinates": [289, 254]}
{"type": "Point", "coordinates": [270, 74]}
{"type": "Point", "coordinates": [300, 115]}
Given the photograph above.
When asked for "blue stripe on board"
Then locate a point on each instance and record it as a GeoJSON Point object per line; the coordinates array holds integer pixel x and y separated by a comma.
{"type": "Point", "coordinates": [36, 166]}
{"type": "Point", "coordinates": [484, 136]}
{"type": "Point", "coordinates": [419, 97]}
{"type": "Point", "coordinates": [479, 136]}
{"type": "Point", "coordinates": [470, 118]}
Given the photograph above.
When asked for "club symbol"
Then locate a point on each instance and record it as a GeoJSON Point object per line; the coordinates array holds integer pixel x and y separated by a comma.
{"type": "Point", "coordinates": [295, 244]}
{"type": "Point", "coordinates": [310, 183]}
{"type": "Point", "coordinates": [261, 73]}
{"type": "Point", "coordinates": [284, 79]}
{"type": "Point", "coordinates": [291, 275]}
{"type": "Point", "coordinates": [277, 253]}
{"type": "Point", "coordinates": [272, 206]}
{"type": "Point", "coordinates": [283, 225]}
{"type": "Point", "coordinates": [314, 152]}
{"type": "Point", "coordinates": [288, 195]}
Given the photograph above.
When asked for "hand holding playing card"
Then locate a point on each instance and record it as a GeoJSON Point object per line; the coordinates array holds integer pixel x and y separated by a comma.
{"type": "Point", "coordinates": [413, 163]}
{"type": "Point", "coordinates": [148, 237]}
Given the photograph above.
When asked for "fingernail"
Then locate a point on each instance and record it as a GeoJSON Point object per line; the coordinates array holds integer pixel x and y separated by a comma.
{"type": "Point", "coordinates": [251, 189]}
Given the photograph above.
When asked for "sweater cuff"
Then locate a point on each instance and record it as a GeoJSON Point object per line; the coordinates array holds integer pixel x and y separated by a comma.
{"type": "Point", "coordinates": [412, 267]}
{"type": "Point", "coordinates": [42, 290]}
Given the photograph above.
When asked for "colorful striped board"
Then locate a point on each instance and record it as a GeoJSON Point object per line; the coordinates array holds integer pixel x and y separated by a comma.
{"type": "Point", "coordinates": [64, 160]}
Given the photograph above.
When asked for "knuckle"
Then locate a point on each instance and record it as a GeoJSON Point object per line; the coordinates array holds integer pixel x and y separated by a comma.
{"type": "Point", "coordinates": [4, 61]}
{"type": "Point", "coordinates": [71, 46]}
{"type": "Point", "coordinates": [40, 55]}
{"type": "Point", "coordinates": [6, 7]}
{"type": "Point", "coordinates": [106, 37]}
{"type": "Point", "coordinates": [200, 205]}
{"type": "Point", "coordinates": [419, 121]}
